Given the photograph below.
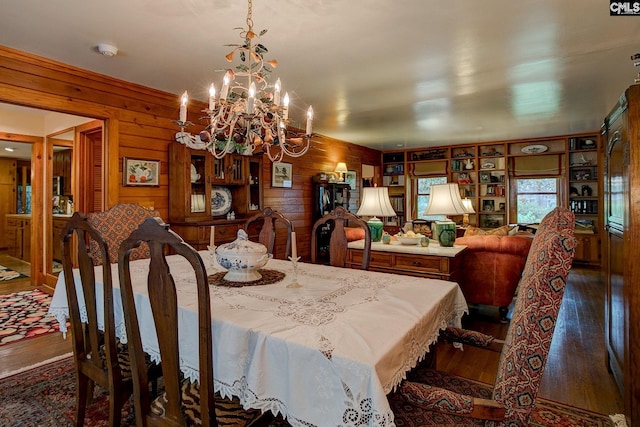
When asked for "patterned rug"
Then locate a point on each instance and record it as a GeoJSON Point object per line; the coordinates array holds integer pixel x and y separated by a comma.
{"type": "Point", "coordinates": [8, 274]}
{"type": "Point", "coordinates": [23, 316]}
{"type": "Point", "coordinates": [46, 397]}
{"type": "Point", "coordinates": [545, 414]}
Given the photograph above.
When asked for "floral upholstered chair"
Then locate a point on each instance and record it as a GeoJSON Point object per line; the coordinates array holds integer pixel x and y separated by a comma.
{"type": "Point", "coordinates": [422, 401]}
{"type": "Point", "coordinates": [115, 225]}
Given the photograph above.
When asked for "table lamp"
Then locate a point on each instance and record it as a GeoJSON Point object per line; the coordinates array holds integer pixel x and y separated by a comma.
{"type": "Point", "coordinates": [375, 202]}
{"type": "Point", "coordinates": [469, 208]}
{"type": "Point", "coordinates": [445, 200]}
{"type": "Point", "coordinates": [341, 168]}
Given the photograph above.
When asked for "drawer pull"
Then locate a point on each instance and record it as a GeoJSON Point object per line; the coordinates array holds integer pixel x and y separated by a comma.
{"type": "Point", "coordinates": [417, 263]}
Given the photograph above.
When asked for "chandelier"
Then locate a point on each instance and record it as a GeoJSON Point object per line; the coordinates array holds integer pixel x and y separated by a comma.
{"type": "Point", "coordinates": [249, 115]}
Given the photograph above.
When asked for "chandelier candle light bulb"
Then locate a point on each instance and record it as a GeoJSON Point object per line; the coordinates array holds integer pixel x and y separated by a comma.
{"type": "Point", "coordinates": [183, 107]}
{"type": "Point", "coordinates": [309, 120]}
{"type": "Point", "coordinates": [224, 92]}
{"type": "Point", "coordinates": [212, 97]}
{"type": "Point", "coordinates": [276, 93]}
{"type": "Point", "coordinates": [285, 109]}
{"type": "Point", "coordinates": [251, 100]}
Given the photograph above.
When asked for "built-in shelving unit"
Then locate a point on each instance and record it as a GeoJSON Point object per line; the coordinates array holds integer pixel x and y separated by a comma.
{"type": "Point", "coordinates": [198, 181]}
{"type": "Point", "coordinates": [483, 173]}
{"type": "Point", "coordinates": [393, 168]}
{"type": "Point", "coordinates": [584, 196]}
{"type": "Point", "coordinates": [492, 198]}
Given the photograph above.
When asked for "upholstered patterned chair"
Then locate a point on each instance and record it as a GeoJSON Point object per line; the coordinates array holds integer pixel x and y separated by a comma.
{"type": "Point", "coordinates": [524, 351]}
{"type": "Point", "coordinates": [115, 225]}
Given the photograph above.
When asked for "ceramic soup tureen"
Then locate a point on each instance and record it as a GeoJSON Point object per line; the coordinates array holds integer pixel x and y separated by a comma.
{"type": "Point", "coordinates": [242, 258]}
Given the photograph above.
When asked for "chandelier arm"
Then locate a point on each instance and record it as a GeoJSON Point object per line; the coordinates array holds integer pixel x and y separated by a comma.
{"type": "Point", "coordinates": [274, 158]}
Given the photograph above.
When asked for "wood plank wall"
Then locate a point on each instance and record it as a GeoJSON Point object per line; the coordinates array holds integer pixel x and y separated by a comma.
{"type": "Point", "coordinates": [140, 125]}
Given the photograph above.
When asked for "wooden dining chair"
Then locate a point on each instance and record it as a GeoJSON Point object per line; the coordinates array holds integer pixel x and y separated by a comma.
{"type": "Point", "coordinates": [436, 399]}
{"type": "Point", "coordinates": [116, 224]}
{"type": "Point", "coordinates": [267, 235]}
{"type": "Point", "coordinates": [98, 356]}
{"type": "Point", "coordinates": [182, 399]}
{"type": "Point", "coordinates": [337, 219]}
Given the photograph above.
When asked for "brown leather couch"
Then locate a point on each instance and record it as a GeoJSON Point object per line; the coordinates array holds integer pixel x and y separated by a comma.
{"type": "Point", "coordinates": [491, 268]}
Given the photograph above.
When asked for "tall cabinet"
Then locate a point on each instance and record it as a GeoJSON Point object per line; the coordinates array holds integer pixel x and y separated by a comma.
{"type": "Point", "coordinates": [621, 130]}
{"type": "Point", "coordinates": [203, 190]}
{"type": "Point", "coordinates": [327, 197]}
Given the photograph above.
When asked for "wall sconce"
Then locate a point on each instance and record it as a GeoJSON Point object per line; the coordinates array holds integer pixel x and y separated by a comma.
{"type": "Point", "coordinates": [341, 168]}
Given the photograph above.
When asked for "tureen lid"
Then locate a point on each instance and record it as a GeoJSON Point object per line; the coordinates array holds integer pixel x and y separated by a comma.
{"type": "Point", "coordinates": [242, 245]}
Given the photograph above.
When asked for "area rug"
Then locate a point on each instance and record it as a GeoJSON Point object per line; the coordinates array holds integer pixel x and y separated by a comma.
{"type": "Point", "coordinates": [545, 414]}
{"type": "Point", "coordinates": [46, 397]}
{"type": "Point", "coordinates": [23, 315]}
{"type": "Point", "coordinates": [8, 274]}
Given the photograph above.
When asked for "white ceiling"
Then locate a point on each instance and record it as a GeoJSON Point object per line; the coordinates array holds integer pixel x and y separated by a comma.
{"type": "Point", "coordinates": [380, 73]}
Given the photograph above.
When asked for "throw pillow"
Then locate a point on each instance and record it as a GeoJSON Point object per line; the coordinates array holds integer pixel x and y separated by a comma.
{"type": "Point", "coordinates": [500, 231]}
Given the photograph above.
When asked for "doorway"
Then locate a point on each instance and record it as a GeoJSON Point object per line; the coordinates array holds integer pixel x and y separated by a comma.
{"type": "Point", "coordinates": [22, 128]}
{"type": "Point", "coordinates": [77, 184]}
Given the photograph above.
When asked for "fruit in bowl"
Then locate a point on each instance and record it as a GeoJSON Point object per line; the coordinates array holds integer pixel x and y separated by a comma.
{"type": "Point", "coordinates": [409, 238]}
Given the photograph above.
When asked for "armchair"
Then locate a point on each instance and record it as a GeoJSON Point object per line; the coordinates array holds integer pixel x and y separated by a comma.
{"type": "Point", "coordinates": [524, 351]}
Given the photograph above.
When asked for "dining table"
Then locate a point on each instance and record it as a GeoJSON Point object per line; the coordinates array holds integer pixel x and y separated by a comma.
{"type": "Point", "coordinates": [326, 353]}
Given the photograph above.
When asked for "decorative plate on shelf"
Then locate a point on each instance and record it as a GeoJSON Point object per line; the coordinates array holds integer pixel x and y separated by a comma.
{"type": "Point", "coordinates": [534, 149]}
{"type": "Point", "coordinates": [220, 200]}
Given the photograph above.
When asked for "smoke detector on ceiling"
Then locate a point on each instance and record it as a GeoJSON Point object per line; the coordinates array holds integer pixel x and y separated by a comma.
{"type": "Point", "coordinates": [107, 49]}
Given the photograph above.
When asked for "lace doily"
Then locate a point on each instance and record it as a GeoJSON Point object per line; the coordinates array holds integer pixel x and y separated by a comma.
{"type": "Point", "coordinates": [268, 277]}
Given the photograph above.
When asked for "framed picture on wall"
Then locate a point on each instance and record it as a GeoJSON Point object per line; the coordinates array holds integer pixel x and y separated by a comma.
{"type": "Point", "coordinates": [351, 179]}
{"type": "Point", "coordinates": [141, 172]}
{"type": "Point", "coordinates": [281, 174]}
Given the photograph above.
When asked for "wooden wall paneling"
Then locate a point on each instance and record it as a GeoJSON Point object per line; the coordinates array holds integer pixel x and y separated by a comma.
{"type": "Point", "coordinates": [140, 120]}
{"type": "Point", "coordinates": [296, 202]}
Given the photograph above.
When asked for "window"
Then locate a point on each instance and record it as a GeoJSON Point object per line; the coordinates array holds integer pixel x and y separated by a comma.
{"type": "Point", "coordinates": [423, 189]}
{"type": "Point", "coordinates": [535, 197]}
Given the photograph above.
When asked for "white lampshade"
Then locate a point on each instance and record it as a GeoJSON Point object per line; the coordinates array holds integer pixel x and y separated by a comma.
{"type": "Point", "coordinates": [375, 202]}
{"type": "Point", "coordinates": [445, 200]}
{"type": "Point", "coordinates": [468, 206]}
{"type": "Point", "coordinates": [341, 167]}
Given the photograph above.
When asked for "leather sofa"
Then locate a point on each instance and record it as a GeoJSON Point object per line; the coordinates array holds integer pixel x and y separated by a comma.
{"type": "Point", "coordinates": [491, 268]}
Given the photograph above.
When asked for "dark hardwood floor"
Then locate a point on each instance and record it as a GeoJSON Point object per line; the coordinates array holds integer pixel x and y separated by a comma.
{"type": "Point", "coordinates": [576, 373]}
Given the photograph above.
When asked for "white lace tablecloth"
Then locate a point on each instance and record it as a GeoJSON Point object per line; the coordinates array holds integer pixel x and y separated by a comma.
{"type": "Point", "coordinates": [325, 354]}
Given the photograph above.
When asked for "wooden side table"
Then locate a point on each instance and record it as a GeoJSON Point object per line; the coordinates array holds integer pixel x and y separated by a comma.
{"type": "Point", "coordinates": [434, 261]}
